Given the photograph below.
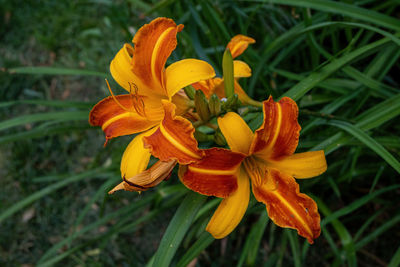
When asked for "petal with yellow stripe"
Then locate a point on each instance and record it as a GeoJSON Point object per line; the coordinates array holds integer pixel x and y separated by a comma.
{"type": "Point", "coordinates": [174, 139]}
{"type": "Point", "coordinates": [278, 136]}
{"type": "Point", "coordinates": [286, 206]}
{"type": "Point", "coordinates": [215, 174]}
{"type": "Point", "coordinates": [239, 44]}
{"type": "Point", "coordinates": [117, 116]}
{"type": "Point", "coordinates": [154, 43]}
{"type": "Point", "coordinates": [231, 210]}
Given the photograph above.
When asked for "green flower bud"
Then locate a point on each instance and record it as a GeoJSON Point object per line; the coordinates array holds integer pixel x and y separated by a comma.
{"type": "Point", "coordinates": [219, 138]}
{"type": "Point", "coordinates": [201, 104]}
{"type": "Point", "coordinates": [214, 105]}
{"type": "Point", "coordinates": [190, 91]}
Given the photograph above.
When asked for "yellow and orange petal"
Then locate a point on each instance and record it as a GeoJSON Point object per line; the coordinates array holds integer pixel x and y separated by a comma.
{"type": "Point", "coordinates": [174, 139]}
{"type": "Point", "coordinates": [286, 206]}
{"type": "Point", "coordinates": [231, 210]}
{"type": "Point", "coordinates": [278, 136]}
{"type": "Point", "coordinates": [136, 157]}
{"type": "Point", "coordinates": [121, 70]}
{"type": "Point", "coordinates": [213, 175]}
{"type": "Point", "coordinates": [154, 43]}
{"type": "Point", "coordinates": [239, 44]}
{"type": "Point", "coordinates": [116, 120]}
{"type": "Point", "coordinates": [236, 132]}
{"type": "Point", "coordinates": [186, 72]}
{"type": "Point", "coordinates": [208, 86]}
{"type": "Point", "coordinates": [301, 165]}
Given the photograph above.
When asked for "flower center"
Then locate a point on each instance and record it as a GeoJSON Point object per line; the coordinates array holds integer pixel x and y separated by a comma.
{"type": "Point", "coordinates": [259, 173]}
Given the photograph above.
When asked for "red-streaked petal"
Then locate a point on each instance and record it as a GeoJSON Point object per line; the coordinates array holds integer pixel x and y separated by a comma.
{"type": "Point", "coordinates": [279, 135]}
{"type": "Point", "coordinates": [286, 206]}
{"type": "Point", "coordinates": [231, 210]}
{"type": "Point", "coordinates": [116, 121]}
{"type": "Point", "coordinates": [154, 43]}
{"type": "Point", "coordinates": [215, 174]}
{"type": "Point", "coordinates": [238, 44]}
{"type": "Point", "coordinates": [160, 171]}
{"type": "Point", "coordinates": [174, 138]}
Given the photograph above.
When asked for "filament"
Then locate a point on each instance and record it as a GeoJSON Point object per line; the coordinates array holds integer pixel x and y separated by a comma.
{"type": "Point", "coordinates": [115, 99]}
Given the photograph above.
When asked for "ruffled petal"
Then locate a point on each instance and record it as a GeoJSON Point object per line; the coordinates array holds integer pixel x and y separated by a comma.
{"type": "Point", "coordinates": [231, 210]}
{"type": "Point", "coordinates": [236, 132]}
{"type": "Point", "coordinates": [215, 174]}
{"type": "Point", "coordinates": [302, 165]}
{"type": "Point", "coordinates": [241, 69]}
{"type": "Point", "coordinates": [154, 43]}
{"type": "Point", "coordinates": [239, 44]}
{"type": "Point", "coordinates": [144, 180]}
{"type": "Point", "coordinates": [117, 121]}
{"type": "Point", "coordinates": [174, 138]}
{"type": "Point", "coordinates": [286, 206]}
{"type": "Point", "coordinates": [279, 135]}
{"type": "Point", "coordinates": [186, 72]}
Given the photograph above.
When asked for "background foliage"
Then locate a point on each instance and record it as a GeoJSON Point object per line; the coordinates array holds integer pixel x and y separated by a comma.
{"type": "Point", "coordinates": [338, 59]}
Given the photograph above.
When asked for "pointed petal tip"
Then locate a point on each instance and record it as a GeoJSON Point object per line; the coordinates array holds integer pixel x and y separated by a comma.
{"type": "Point", "coordinates": [120, 186]}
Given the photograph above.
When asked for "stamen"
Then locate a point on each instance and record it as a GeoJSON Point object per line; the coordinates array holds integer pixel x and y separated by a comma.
{"type": "Point", "coordinates": [115, 99]}
{"type": "Point", "coordinates": [137, 100]}
{"type": "Point", "coordinates": [258, 173]}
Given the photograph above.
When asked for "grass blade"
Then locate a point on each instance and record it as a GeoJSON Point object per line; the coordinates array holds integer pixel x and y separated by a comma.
{"type": "Point", "coordinates": [61, 116]}
{"type": "Point", "coordinates": [100, 172]}
{"type": "Point", "coordinates": [341, 8]}
{"type": "Point", "coordinates": [177, 228]}
{"type": "Point", "coordinates": [300, 89]}
{"type": "Point", "coordinates": [368, 141]}
{"type": "Point", "coordinates": [202, 243]}
{"type": "Point", "coordinates": [253, 240]}
{"type": "Point", "coordinates": [56, 71]}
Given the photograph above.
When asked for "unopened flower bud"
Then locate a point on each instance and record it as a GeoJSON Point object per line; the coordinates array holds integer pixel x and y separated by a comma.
{"type": "Point", "coordinates": [214, 105]}
{"type": "Point", "coordinates": [201, 104]}
{"type": "Point", "coordinates": [219, 138]}
{"type": "Point", "coordinates": [190, 91]}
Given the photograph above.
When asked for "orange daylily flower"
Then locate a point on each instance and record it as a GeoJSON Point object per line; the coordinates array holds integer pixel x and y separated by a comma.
{"type": "Point", "coordinates": [141, 71]}
{"type": "Point", "coordinates": [237, 45]}
{"type": "Point", "coordinates": [267, 159]}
